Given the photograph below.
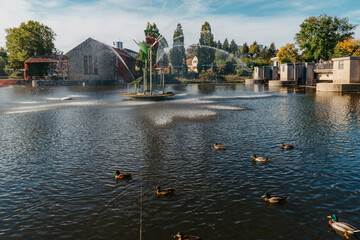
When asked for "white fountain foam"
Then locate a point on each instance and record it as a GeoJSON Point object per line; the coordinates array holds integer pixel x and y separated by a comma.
{"type": "Point", "coordinates": [47, 107]}
{"type": "Point", "coordinates": [162, 118]}
{"type": "Point", "coordinates": [239, 97]}
{"type": "Point", "coordinates": [192, 101]}
{"type": "Point", "coordinates": [222, 107]}
{"type": "Point", "coordinates": [65, 97]}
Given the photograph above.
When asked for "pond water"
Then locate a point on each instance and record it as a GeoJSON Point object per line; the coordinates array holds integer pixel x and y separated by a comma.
{"type": "Point", "coordinates": [58, 159]}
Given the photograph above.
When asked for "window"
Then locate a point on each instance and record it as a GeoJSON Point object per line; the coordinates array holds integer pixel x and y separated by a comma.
{"type": "Point", "coordinates": [91, 66]}
{"type": "Point", "coordinates": [86, 65]}
{"type": "Point", "coordinates": [341, 65]}
{"type": "Point", "coordinates": [283, 68]}
{"type": "Point", "coordinates": [95, 65]}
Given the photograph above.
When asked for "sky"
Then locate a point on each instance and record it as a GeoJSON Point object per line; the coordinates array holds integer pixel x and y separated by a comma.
{"type": "Point", "coordinates": [108, 21]}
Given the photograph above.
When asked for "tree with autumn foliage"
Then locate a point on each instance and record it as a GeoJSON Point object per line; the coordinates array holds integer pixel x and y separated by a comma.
{"type": "Point", "coordinates": [347, 48]}
{"type": "Point", "coordinates": [289, 54]}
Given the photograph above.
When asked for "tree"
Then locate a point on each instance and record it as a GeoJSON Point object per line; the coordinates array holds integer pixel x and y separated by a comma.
{"type": "Point", "coordinates": [192, 50]}
{"type": "Point", "coordinates": [272, 49]}
{"type": "Point", "coordinates": [244, 49]}
{"type": "Point", "coordinates": [266, 54]}
{"type": "Point", "coordinates": [318, 36]}
{"type": "Point", "coordinates": [30, 39]}
{"type": "Point", "coordinates": [219, 45]}
{"type": "Point", "coordinates": [3, 53]}
{"type": "Point", "coordinates": [233, 46]}
{"type": "Point", "coordinates": [288, 53]}
{"type": "Point", "coordinates": [347, 48]}
{"type": "Point", "coordinates": [254, 48]}
{"type": "Point", "coordinates": [177, 55]}
{"type": "Point", "coordinates": [226, 45]}
{"type": "Point", "coordinates": [164, 61]}
{"type": "Point", "coordinates": [3, 61]}
{"type": "Point", "coordinates": [206, 53]}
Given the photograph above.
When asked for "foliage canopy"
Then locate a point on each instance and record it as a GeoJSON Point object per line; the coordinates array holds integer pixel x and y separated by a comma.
{"type": "Point", "coordinates": [288, 54]}
{"type": "Point", "coordinates": [30, 39]}
{"type": "Point", "coordinates": [205, 53]}
{"type": "Point", "coordinates": [318, 36]}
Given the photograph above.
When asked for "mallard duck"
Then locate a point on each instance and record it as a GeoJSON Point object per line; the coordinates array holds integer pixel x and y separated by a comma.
{"type": "Point", "coordinates": [165, 191]}
{"type": "Point", "coordinates": [273, 198]}
{"type": "Point", "coordinates": [342, 227]}
{"type": "Point", "coordinates": [119, 175]}
{"type": "Point", "coordinates": [219, 147]}
{"type": "Point", "coordinates": [181, 236]}
{"type": "Point", "coordinates": [259, 159]}
{"type": "Point", "coordinates": [286, 147]}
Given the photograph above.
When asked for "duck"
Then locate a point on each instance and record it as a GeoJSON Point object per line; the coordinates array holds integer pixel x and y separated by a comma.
{"type": "Point", "coordinates": [165, 191]}
{"type": "Point", "coordinates": [274, 198]}
{"type": "Point", "coordinates": [119, 175]}
{"type": "Point", "coordinates": [219, 147]}
{"type": "Point", "coordinates": [181, 236]}
{"type": "Point", "coordinates": [259, 159]}
{"type": "Point", "coordinates": [342, 227]}
{"type": "Point", "coordinates": [286, 147]}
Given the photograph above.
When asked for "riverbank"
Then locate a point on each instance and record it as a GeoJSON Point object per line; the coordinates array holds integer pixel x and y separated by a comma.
{"type": "Point", "coordinates": [8, 82]}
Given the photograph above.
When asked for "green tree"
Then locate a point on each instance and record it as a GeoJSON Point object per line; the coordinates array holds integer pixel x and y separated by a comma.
{"type": "Point", "coordinates": [289, 53]}
{"type": "Point", "coordinates": [30, 39]}
{"type": "Point", "coordinates": [254, 48]}
{"type": "Point", "coordinates": [3, 61]}
{"type": "Point", "coordinates": [177, 55]}
{"type": "Point", "coordinates": [226, 46]}
{"type": "Point", "coordinates": [192, 50]}
{"type": "Point", "coordinates": [3, 53]}
{"type": "Point", "coordinates": [233, 46]}
{"type": "Point", "coordinates": [219, 45]}
{"type": "Point", "coordinates": [318, 36]}
{"type": "Point", "coordinates": [245, 48]}
{"type": "Point", "coordinates": [266, 54]}
{"type": "Point", "coordinates": [164, 61]}
{"type": "Point", "coordinates": [272, 49]}
{"type": "Point", "coordinates": [206, 53]}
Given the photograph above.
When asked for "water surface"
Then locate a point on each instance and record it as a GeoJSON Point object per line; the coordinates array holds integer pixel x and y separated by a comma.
{"type": "Point", "coordinates": [58, 158]}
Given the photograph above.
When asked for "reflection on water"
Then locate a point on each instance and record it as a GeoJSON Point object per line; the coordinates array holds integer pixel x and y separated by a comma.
{"type": "Point", "coordinates": [58, 158]}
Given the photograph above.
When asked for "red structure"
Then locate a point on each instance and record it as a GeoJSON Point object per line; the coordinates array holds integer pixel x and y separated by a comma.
{"type": "Point", "coordinates": [53, 65]}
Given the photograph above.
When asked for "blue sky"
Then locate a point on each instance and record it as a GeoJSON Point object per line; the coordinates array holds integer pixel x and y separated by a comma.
{"type": "Point", "coordinates": [263, 21]}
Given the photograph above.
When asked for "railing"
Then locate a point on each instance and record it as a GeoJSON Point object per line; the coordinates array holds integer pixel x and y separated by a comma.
{"type": "Point", "coordinates": [324, 65]}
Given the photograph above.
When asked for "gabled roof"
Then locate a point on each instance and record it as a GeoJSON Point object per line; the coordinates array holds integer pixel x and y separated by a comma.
{"type": "Point", "coordinates": [90, 40]}
{"type": "Point", "coordinates": [122, 53]}
{"type": "Point", "coordinates": [188, 61]}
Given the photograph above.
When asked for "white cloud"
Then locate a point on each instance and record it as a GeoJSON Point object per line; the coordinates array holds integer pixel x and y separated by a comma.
{"type": "Point", "coordinates": [113, 20]}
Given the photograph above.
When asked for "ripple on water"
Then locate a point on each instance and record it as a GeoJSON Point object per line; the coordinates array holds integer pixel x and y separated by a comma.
{"type": "Point", "coordinates": [57, 165]}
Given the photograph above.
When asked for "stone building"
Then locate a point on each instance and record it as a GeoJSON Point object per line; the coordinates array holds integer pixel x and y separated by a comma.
{"type": "Point", "coordinates": [93, 61]}
{"type": "Point", "coordinates": [346, 76]}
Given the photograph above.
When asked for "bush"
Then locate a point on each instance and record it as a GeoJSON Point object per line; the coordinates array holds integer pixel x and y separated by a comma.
{"type": "Point", "coordinates": [244, 72]}
{"type": "Point", "coordinates": [207, 76]}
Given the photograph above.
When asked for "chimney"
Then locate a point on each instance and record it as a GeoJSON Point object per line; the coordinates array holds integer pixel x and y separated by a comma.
{"type": "Point", "coordinates": [119, 45]}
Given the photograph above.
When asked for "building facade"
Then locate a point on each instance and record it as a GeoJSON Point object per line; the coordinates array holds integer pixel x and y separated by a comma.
{"type": "Point", "coordinates": [92, 60]}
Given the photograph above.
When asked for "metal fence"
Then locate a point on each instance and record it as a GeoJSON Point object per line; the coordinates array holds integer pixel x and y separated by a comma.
{"type": "Point", "coordinates": [324, 65]}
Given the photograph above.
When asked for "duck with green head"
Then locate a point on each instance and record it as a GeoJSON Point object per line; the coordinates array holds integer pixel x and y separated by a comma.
{"type": "Point", "coordinates": [342, 227]}
{"type": "Point", "coordinates": [274, 198]}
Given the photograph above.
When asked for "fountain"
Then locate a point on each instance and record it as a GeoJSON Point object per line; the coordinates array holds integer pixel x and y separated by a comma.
{"type": "Point", "coordinates": [153, 47]}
